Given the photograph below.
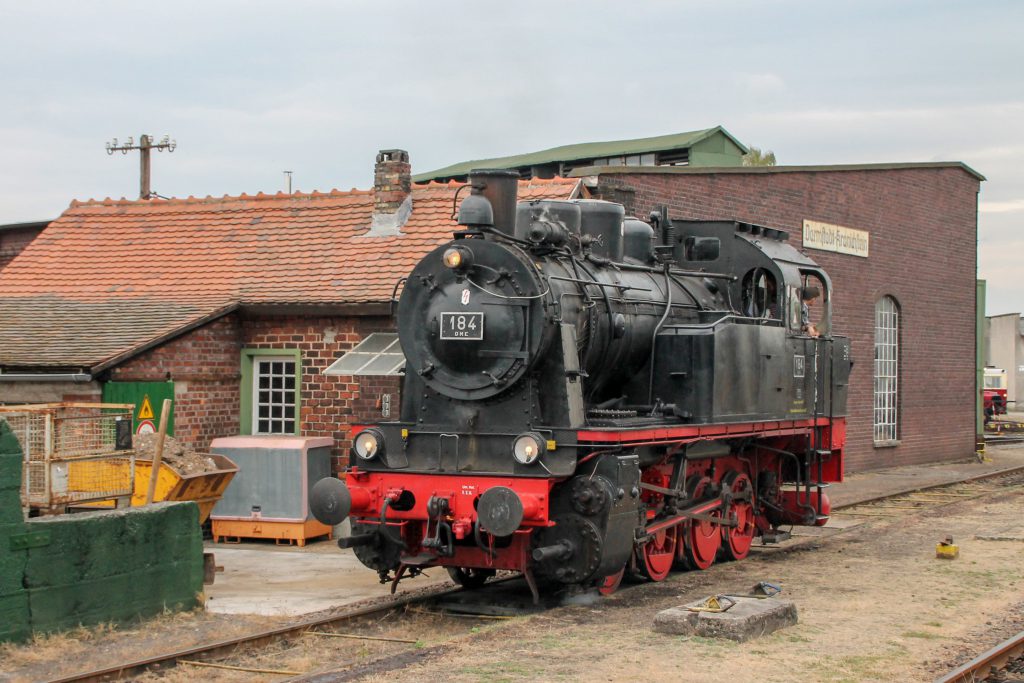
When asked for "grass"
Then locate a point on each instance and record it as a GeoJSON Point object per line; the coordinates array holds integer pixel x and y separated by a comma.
{"type": "Point", "coordinates": [714, 643]}
{"type": "Point", "coordinates": [857, 668]}
{"type": "Point", "coordinates": [47, 647]}
{"type": "Point", "coordinates": [552, 642]}
{"type": "Point", "coordinates": [499, 671]}
{"type": "Point", "coordinates": [926, 635]}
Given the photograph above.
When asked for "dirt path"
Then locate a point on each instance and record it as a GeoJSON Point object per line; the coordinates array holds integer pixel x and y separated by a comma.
{"type": "Point", "coordinates": [875, 605]}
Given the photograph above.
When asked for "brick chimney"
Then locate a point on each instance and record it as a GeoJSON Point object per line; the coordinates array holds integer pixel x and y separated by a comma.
{"type": "Point", "coordinates": [392, 192]}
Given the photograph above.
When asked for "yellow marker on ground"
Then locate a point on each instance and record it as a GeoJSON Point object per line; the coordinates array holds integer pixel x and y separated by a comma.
{"type": "Point", "coordinates": [947, 550]}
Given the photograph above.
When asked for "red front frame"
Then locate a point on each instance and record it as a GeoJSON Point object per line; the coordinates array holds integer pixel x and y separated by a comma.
{"type": "Point", "coordinates": [368, 490]}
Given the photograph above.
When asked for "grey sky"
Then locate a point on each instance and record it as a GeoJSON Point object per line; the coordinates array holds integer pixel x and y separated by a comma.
{"type": "Point", "coordinates": [250, 89]}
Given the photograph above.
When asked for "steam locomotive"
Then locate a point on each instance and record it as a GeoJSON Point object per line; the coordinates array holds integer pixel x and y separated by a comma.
{"type": "Point", "coordinates": [587, 394]}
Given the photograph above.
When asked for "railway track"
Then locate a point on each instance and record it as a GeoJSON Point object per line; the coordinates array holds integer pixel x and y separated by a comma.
{"type": "Point", "coordinates": [891, 505]}
{"type": "Point", "coordinates": [204, 654]}
{"type": "Point", "coordinates": [1007, 655]}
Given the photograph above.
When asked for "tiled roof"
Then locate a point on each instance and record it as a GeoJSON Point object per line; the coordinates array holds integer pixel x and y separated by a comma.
{"type": "Point", "coordinates": [109, 276]}
{"type": "Point", "coordinates": [48, 332]}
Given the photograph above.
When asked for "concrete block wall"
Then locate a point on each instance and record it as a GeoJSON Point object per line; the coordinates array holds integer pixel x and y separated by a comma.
{"type": "Point", "coordinates": [923, 227]}
{"type": "Point", "coordinates": [15, 622]}
{"type": "Point", "coordinates": [60, 572]}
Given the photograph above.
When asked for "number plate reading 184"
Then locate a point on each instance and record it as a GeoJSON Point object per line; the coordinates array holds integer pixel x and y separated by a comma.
{"type": "Point", "coordinates": [462, 326]}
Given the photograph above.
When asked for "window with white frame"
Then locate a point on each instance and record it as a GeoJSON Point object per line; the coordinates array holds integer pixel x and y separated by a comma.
{"type": "Point", "coordinates": [274, 395]}
{"type": "Point", "coordinates": [887, 336]}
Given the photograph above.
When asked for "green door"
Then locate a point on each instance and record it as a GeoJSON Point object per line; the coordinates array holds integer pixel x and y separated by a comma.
{"type": "Point", "coordinates": [148, 398]}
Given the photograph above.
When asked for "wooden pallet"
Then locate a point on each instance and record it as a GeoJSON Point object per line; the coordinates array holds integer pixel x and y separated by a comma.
{"type": "Point", "coordinates": [284, 533]}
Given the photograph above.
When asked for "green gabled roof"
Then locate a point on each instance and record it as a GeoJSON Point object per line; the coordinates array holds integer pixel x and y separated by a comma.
{"type": "Point", "coordinates": [583, 151]}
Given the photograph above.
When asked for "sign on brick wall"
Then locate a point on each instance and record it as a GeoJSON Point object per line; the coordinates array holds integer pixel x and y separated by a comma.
{"type": "Point", "coordinates": [828, 237]}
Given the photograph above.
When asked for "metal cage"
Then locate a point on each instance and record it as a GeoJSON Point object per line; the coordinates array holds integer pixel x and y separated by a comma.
{"type": "Point", "coordinates": [73, 452]}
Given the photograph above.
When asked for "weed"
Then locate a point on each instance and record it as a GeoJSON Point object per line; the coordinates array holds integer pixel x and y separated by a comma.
{"type": "Point", "coordinates": [926, 635]}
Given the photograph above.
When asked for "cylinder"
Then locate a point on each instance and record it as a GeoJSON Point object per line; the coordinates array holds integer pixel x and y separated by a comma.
{"type": "Point", "coordinates": [559, 551]}
{"type": "Point", "coordinates": [603, 221]}
{"type": "Point", "coordinates": [500, 187]}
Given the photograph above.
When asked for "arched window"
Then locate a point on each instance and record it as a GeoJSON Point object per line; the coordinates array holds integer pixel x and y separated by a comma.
{"type": "Point", "coordinates": [887, 353]}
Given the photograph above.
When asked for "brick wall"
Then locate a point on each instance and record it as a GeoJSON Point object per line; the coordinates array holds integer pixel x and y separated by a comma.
{"type": "Point", "coordinates": [13, 242]}
{"type": "Point", "coordinates": [50, 392]}
{"type": "Point", "coordinates": [205, 365]}
{"type": "Point", "coordinates": [329, 405]}
{"type": "Point", "coordinates": [923, 226]}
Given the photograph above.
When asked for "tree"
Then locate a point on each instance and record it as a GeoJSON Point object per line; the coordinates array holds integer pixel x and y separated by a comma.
{"type": "Point", "coordinates": [756, 157]}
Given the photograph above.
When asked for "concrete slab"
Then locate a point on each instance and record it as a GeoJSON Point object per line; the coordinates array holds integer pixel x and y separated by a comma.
{"type": "Point", "coordinates": [269, 580]}
{"type": "Point", "coordinates": [748, 618]}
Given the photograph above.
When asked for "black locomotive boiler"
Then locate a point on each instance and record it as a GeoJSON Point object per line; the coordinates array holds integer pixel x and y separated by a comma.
{"type": "Point", "coordinates": [586, 393]}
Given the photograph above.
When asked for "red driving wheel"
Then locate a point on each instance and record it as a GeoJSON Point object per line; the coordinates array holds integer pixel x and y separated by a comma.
{"type": "Point", "coordinates": [737, 539]}
{"type": "Point", "coordinates": [700, 540]}
{"type": "Point", "coordinates": [658, 554]}
{"type": "Point", "coordinates": [703, 541]}
{"type": "Point", "coordinates": [610, 584]}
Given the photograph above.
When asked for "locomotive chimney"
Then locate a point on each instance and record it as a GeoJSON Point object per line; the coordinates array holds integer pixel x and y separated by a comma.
{"type": "Point", "coordinates": [499, 187]}
{"type": "Point", "coordinates": [392, 192]}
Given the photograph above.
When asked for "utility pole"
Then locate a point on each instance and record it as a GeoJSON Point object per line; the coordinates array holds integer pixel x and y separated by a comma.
{"type": "Point", "coordinates": [145, 145]}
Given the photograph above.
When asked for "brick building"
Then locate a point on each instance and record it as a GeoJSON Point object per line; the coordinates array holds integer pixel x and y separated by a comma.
{"type": "Point", "coordinates": [216, 295]}
{"type": "Point", "coordinates": [907, 303]}
{"type": "Point", "coordinates": [14, 237]}
{"type": "Point", "coordinates": [233, 306]}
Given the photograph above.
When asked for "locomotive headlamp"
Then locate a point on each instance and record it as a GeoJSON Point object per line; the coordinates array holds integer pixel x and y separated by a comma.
{"type": "Point", "coordinates": [527, 448]}
{"type": "Point", "coordinates": [369, 444]}
{"type": "Point", "coordinates": [457, 258]}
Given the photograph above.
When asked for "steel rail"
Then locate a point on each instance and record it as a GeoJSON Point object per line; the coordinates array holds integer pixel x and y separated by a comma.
{"type": "Point", "coordinates": [224, 648]}
{"type": "Point", "coordinates": [987, 663]}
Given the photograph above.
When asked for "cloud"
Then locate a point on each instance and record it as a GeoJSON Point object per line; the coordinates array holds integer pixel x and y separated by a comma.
{"type": "Point", "coordinates": [881, 115]}
{"type": "Point", "coordinates": [1001, 207]}
{"type": "Point", "coordinates": [761, 83]}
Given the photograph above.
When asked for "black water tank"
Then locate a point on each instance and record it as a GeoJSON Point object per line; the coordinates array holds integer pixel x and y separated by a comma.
{"type": "Point", "coordinates": [603, 221]}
